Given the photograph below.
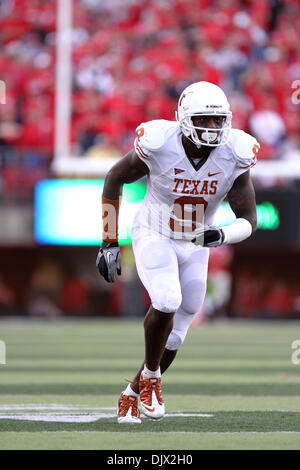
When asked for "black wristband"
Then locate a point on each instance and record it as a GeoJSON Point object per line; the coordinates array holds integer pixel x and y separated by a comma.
{"type": "Point", "coordinates": [109, 244]}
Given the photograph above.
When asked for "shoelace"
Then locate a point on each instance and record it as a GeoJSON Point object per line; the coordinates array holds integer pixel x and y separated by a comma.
{"type": "Point", "coordinates": [146, 388]}
{"type": "Point", "coordinates": [126, 402]}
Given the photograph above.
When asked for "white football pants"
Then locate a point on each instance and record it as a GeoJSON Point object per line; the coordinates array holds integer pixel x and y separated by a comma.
{"type": "Point", "coordinates": [174, 272]}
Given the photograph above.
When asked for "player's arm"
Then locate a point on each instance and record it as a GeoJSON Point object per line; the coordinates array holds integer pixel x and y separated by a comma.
{"type": "Point", "coordinates": [129, 169]}
{"type": "Point", "coordinates": [241, 198]}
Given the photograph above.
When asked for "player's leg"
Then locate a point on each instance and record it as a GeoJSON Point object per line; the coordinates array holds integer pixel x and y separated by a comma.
{"type": "Point", "coordinates": [166, 360]}
{"type": "Point", "coordinates": [157, 266]}
{"type": "Point", "coordinates": [193, 279]}
{"type": "Point", "coordinates": [193, 276]}
{"type": "Point", "coordinates": [181, 323]}
{"type": "Point", "coordinates": [157, 325]}
{"type": "Point", "coordinates": [147, 383]}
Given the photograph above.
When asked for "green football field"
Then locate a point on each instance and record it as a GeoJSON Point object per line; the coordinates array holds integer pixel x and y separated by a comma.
{"type": "Point", "coordinates": [232, 386]}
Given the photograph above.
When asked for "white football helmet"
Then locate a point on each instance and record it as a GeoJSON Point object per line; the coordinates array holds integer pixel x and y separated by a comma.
{"type": "Point", "coordinates": [204, 99]}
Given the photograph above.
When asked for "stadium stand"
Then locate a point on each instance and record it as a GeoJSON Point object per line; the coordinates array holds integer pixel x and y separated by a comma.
{"type": "Point", "coordinates": [130, 60]}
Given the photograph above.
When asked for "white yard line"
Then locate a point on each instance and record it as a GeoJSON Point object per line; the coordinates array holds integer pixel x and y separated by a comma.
{"type": "Point", "coordinates": [58, 413]}
{"type": "Point", "coordinates": [52, 406]}
{"type": "Point", "coordinates": [85, 417]}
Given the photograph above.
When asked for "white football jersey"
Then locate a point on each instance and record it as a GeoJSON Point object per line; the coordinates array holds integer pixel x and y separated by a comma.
{"type": "Point", "coordinates": [180, 198]}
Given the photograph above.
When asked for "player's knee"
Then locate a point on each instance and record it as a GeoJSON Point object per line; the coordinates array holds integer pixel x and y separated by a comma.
{"type": "Point", "coordinates": [193, 296]}
{"type": "Point", "coordinates": [166, 293]}
{"type": "Point", "coordinates": [175, 340]}
{"type": "Point", "coordinates": [167, 301]}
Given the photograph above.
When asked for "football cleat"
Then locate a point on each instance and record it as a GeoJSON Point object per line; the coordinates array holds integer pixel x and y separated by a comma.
{"type": "Point", "coordinates": [128, 412]}
{"type": "Point", "coordinates": [152, 404]}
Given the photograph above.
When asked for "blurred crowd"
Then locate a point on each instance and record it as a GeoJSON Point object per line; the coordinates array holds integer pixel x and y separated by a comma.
{"type": "Point", "coordinates": [265, 295]}
{"type": "Point", "coordinates": [60, 284]}
{"type": "Point", "coordinates": [131, 59]}
{"type": "Point", "coordinates": [55, 283]}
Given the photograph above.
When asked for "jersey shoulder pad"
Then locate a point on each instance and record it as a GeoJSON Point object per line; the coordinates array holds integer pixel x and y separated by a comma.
{"type": "Point", "coordinates": [244, 148]}
{"type": "Point", "coordinates": [151, 135]}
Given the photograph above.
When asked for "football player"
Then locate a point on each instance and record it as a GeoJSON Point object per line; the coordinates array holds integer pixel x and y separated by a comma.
{"type": "Point", "coordinates": [192, 164]}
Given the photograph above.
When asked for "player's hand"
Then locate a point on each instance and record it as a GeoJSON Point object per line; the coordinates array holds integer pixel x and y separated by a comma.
{"type": "Point", "coordinates": [210, 237]}
{"type": "Point", "coordinates": [109, 259]}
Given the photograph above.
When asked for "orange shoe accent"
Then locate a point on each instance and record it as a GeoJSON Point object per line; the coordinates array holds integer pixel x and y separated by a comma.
{"type": "Point", "coordinates": [152, 404]}
{"type": "Point", "coordinates": [150, 409]}
{"type": "Point", "coordinates": [128, 411]}
{"type": "Point", "coordinates": [147, 386]}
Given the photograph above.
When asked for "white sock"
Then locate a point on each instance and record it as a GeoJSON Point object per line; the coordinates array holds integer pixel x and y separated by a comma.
{"type": "Point", "coordinates": [147, 373]}
{"type": "Point", "coordinates": [128, 391]}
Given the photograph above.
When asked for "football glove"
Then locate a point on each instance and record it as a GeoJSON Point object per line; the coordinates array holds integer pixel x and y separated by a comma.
{"type": "Point", "coordinates": [210, 237]}
{"type": "Point", "coordinates": [109, 259]}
